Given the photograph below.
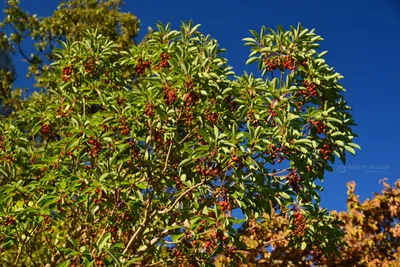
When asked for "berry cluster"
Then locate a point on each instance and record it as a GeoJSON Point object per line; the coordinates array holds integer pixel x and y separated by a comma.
{"type": "Point", "coordinates": [288, 62]}
{"type": "Point", "coordinates": [317, 255]}
{"type": "Point", "coordinates": [164, 57]}
{"type": "Point", "coordinates": [46, 128]}
{"type": "Point", "coordinates": [219, 235]}
{"type": "Point", "coordinates": [208, 170]}
{"type": "Point", "coordinates": [311, 87]}
{"type": "Point", "coordinates": [188, 116]}
{"type": "Point", "coordinates": [47, 219]}
{"type": "Point", "coordinates": [125, 129]}
{"type": "Point", "coordinates": [101, 196]}
{"type": "Point", "coordinates": [320, 125]}
{"type": "Point", "coordinates": [299, 223]}
{"type": "Point", "coordinates": [294, 178]}
{"type": "Point", "coordinates": [141, 66]}
{"type": "Point", "coordinates": [271, 64]}
{"type": "Point", "coordinates": [89, 65]}
{"type": "Point", "coordinates": [277, 152]}
{"type": "Point", "coordinates": [83, 184]}
{"type": "Point", "coordinates": [67, 71]}
{"type": "Point", "coordinates": [114, 231]}
{"type": "Point", "coordinates": [158, 136]}
{"type": "Point", "coordinates": [225, 200]}
{"type": "Point", "coordinates": [189, 84]}
{"type": "Point", "coordinates": [169, 96]}
{"type": "Point", "coordinates": [95, 146]}
{"type": "Point", "coordinates": [212, 116]}
{"type": "Point", "coordinates": [62, 112]}
{"type": "Point", "coordinates": [2, 140]}
{"type": "Point", "coordinates": [178, 182]}
{"type": "Point", "coordinates": [325, 151]}
{"type": "Point", "coordinates": [149, 110]}
{"type": "Point", "coordinates": [10, 221]}
{"type": "Point", "coordinates": [98, 261]}
{"type": "Point", "coordinates": [191, 99]}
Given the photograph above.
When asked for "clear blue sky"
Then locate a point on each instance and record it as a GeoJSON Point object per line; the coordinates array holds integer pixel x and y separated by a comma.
{"type": "Point", "coordinates": [362, 38]}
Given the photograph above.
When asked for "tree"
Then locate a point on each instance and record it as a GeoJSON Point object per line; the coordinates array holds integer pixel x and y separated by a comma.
{"type": "Point", "coordinates": [371, 234]}
{"type": "Point", "coordinates": [161, 166]}
{"type": "Point", "coordinates": [70, 20]}
{"type": "Point", "coordinates": [7, 69]}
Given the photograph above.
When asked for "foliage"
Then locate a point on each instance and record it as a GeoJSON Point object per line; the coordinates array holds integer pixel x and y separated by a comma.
{"type": "Point", "coordinates": [161, 166]}
{"type": "Point", "coordinates": [70, 20]}
{"type": "Point", "coordinates": [371, 232]}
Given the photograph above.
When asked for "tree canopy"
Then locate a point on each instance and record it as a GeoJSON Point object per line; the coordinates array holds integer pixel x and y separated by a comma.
{"type": "Point", "coordinates": [157, 153]}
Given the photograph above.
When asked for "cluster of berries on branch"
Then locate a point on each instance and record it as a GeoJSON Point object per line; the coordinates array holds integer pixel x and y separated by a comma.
{"type": "Point", "coordinates": [149, 110]}
{"type": "Point", "coordinates": [294, 178]}
{"type": "Point", "coordinates": [125, 129]}
{"type": "Point", "coordinates": [212, 116]}
{"type": "Point", "coordinates": [299, 222]}
{"type": "Point", "coordinates": [164, 57]}
{"type": "Point", "coordinates": [141, 66]}
{"type": "Point", "coordinates": [95, 146]}
{"type": "Point", "coordinates": [274, 61]}
{"type": "Point", "coordinates": [67, 71]}
{"type": "Point", "coordinates": [277, 153]}
{"type": "Point", "coordinates": [225, 202]}
{"type": "Point", "coordinates": [320, 126]}
{"type": "Point", "coordinates": [311, 87]}
{"type": "Point", "coordinates": [46, 128]}
{"type": "Point", "coordinates": [89, 65]}
{"type": "Point", "coordinates": [169, 96]}
{"type": "Point", "coordinates": [325, 150]}
{"type": "Point", "coordinates": [62, 112]}
{"type": "Point", "coordinates": [10, 221]}
{"type": "Point", "coordinates": [271, 64]}
{"type": "Point", "coordinates": [288, 62]}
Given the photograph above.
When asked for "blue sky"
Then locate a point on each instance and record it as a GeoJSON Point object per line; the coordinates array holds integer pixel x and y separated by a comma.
{"type": "Point", "coordinates": [362, 39]}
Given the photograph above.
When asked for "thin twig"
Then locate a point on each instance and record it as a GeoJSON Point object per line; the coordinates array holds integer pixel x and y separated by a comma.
{"type": "Point", "coordinates": [166, 160]}
{"type": "Point", "coordinates": [181, 196]}
{"type": "Point", "coordinates": [187, 136]}
{"type": "Point", "coordinates": [142, 225]}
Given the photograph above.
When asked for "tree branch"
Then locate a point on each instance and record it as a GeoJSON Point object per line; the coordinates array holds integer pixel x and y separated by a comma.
{"type": "Point", "coordinates": [181, 196]}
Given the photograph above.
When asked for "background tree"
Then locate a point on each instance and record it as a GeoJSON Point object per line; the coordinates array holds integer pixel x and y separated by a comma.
{"type": "Point", "coordinates": [7, 70]}
{"type": "Point", "coordinates": [154, 154]}
{"type": "Point", "coordinates": [71, 19]}
{"type": "Point", "coordinates": [371, 231]}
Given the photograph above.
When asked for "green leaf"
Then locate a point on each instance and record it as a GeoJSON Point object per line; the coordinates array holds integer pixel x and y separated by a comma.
{"type": "Point", "coordinates": [350, 149]}
{"type": "Point", "coordinates": [251, 60]}
{"type": "Point", "coordinates": [116, 261]}
{"type": "Point", "coordinates": [47, 201]}
{"type": "Point", "coordinates": [176, 237]}
{"type": "Point", "coordinates": [303, 141]}
{"type": "Point", "coordinates": [285, 195]}
{"type": "Point", "coordinates": [103, 241]}
{"type": "Point", "coordinates": [248, 39]}
{"type": "Point", "coordinates": [64, 263]}
{"type": "Point", "coordinates": [185, 162]}
{"type": "Point", "coordinates": [354, 145]}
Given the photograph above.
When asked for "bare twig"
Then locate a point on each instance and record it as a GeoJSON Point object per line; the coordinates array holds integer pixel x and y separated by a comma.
{"type": "Point", "coordinates": [142, 225]}
{"type": "Point", "coordinates": [181, 196]}
{"type": "Point", "coordinates": [187, 136]}
{"type": "Point", "coordinates": [166, 160]}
